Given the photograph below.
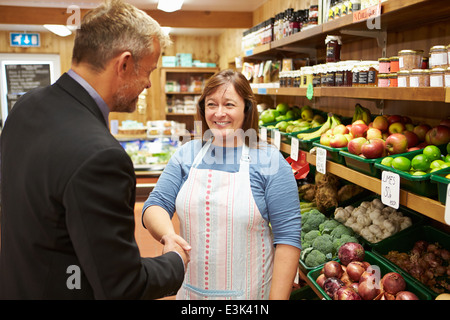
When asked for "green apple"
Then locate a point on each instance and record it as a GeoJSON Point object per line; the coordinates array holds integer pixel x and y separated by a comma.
{"type": "Point", "coordinates": [282, 108]}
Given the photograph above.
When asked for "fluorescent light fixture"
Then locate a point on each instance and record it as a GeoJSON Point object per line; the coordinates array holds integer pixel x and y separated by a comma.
{"type": "Point", "coordinates": [170, 5]}
{"type": "Point", "coordinates": [166, 30]}
{"type": "Point", "coordinates": [58, 29]}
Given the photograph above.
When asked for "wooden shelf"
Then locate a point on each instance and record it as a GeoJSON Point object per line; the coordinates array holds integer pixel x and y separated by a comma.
{"type": "Point", "coordinates": [415, 94]}
{"type": "Point", "coordinates": [426, 206]}
{"type": "Point", "coordinates": [189, 70]}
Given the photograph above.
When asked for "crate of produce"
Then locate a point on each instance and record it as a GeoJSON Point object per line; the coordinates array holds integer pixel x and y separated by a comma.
{"type": "Point", "coordinates": [333, 154]}
{"type": "Point", "coordinates": [375, 222]}
{"type": "Point", "coordinates": [384, 267]}
{"type": "Point", "coordinates": [304, 293]}
{"type": "Point", "coordinates": [442, 182]}
{"type": "Point", "coordinates": [418, 184]}
{"type": "Point", "coordinates": [360, 164]}
{"type": "Point", "coordinates": [322, 234]}
{"type": "Point", "coordinates": [397, 251]}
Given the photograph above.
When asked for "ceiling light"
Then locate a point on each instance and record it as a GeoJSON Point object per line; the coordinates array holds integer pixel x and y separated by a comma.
{"type": "Point", "coordinates": [58, 29]}
{"type": "Point", "coordinates": [170, 5]}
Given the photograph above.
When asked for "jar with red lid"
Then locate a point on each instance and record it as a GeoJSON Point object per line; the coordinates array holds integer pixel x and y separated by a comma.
{"type": "Point", "coordinates": [394, 64]}
{"type": "Point", "coordinates": [393, 79]}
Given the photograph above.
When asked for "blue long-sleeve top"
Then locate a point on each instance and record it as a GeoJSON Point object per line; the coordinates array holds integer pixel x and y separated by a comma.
{"type": "Point", "coordinates": [271, 178]}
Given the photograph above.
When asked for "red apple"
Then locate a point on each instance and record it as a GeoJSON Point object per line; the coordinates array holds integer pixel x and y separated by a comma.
{"type": "Point", "coordinates": [422, 145]}
{"type": "Point", "coordinates": [413, 149]}
{"type": "Point", "coordinates": [338, 140]}
{"type": "Point", "coordinates": [395, 118]}
{"type": "Point", "coordinates": [325, 139]}
{"type": "Point", "coordinates": [349, 127]}
{"type": "Point", "coordinates": [340, 128]}
{"type": "Point", "coordinates": [396, 127]}
{"type": "Point", "coordinates": [438, 135]}
{"type": "Point", "coordinates": [407, 119]}
{"type": "Point", "coordinates": [381, 123]}
{"type": "Point", "coordinates": [358, 129]}
{"type": "Point", "coordinates": [413, 139]}
{"type": "Point", "coordinates": [421, 130]}
{"type": "Point", "coordinates": [354, 146]}
{"type": "Point", "coordinates": [445, 122]}
{"type": "Point", "coordinates": [396, 143]}
{"type": "Point", "coordinates": [373, 133]}
{"type": "Point", "coordinates": [373, 148]}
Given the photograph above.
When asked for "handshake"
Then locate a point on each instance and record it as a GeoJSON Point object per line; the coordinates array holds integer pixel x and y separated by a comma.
{"type": "Point", "coordinates": [173, 242]}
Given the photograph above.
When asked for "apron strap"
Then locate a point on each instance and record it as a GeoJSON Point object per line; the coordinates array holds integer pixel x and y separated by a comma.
{"type": "Point", "coordinates": [201, 154]}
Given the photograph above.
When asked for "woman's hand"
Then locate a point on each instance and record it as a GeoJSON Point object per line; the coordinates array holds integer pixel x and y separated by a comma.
{"type": "Point", "coordinates": [173, 242]}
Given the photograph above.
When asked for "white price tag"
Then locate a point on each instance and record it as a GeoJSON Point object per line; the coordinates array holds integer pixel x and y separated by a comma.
{"type": "Point", "coordinates": [447, 206]}
{"type": "Point", "coordinates": [263, 131]}
{"type": "Point", "coordinates": [390, 189]}
{"type": "Point", "coordinates": [321, 160]}
{"type": "Point", "coordinates": [277, 138]}
{"type": "Point", "coordinates": [294, 149]}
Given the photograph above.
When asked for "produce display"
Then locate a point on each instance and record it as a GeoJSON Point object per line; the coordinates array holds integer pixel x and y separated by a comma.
{"type": "Point", "coordinates": [373, 220]}
{"type": "Point", "coordinates": [426, 262]}
{"type": "Point", "coordinates": [327, 191]}
{"type": "Point", "coordinates": [353, 278]}
{"type": "Point", "coordinates": [431, 159]}
{"type": "Point", "coordinates": [332, 122]}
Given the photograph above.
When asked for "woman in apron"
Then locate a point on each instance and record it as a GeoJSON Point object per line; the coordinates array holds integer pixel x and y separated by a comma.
{"type": "Point", "coordinates": [226, 188]}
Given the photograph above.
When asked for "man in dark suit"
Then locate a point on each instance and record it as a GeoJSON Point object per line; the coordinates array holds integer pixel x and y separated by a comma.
{"type": "Point", "coordinates": [68, 187]}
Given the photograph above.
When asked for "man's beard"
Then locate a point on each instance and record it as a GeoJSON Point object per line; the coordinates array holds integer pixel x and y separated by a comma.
{"type": "Point", "coordinates": [122, 101]}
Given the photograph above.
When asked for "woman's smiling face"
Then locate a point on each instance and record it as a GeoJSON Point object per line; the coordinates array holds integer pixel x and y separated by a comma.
{"type": "Point", "coordinates": [224, 112]}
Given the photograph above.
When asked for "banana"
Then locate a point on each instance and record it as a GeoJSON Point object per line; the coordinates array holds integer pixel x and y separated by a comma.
{"type": "Point", "coordinates": [357, 115]}
{"type": "Point", "coordinates": [362, 113]}
{"type": "Point", "coordinates": [318, 132]}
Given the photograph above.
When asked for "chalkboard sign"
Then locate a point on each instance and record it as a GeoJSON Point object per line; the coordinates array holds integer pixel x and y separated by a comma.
{"type": "Point", "coordinates": [21, 78]}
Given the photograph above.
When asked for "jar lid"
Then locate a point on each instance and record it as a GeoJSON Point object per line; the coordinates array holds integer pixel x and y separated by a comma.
{"type": "Point", "coordinates": [333, 38]}
{"type": "Point", "coordinates": [403, 72]}
{"type": "Point", "coordinates": [392, 75]}
{"type": "Point", "coordinates": [403, 52]}
{"type": "Point", "coordinates": [436, 70]}
{"type": "Point", "coordinates": [395, 58]}
{"type": "Point", "coordinates": [437, 48]}
{"type": "Point", "coordinates": [383, 75]}
{"type": "Point", "coordinates": [419, 71]}
{"type": "Point", "coordinates": [384, 60]}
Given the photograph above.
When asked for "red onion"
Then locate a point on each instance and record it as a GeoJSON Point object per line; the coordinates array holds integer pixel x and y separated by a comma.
{"type": "Point", "coordinates": [345, 279]}
{"type": "Point", "coordinates": [346, 293]}
{"type": "Point", "coordinates": [369, 274]}
{"type": "Point", "coordinates": [393, 282]}
{"type": "Point", "coordinates": [355, 269]}
{"type": "Point", "coordinates": [331, 285]}
{"type": "Point", "coordinates": [320, 280]}
{"type": "Point", "coordinates": [354, 286]}
{"type": "Point", "coordinates": [351, 251]}
{"type": "Point", "coordinates": [332, 269]}
{"type": "Point", "coordinates": [406, 295]}
{"type": "Point", "coordinates": [387, 296]}
{"type": "Point", "coordinates": [368, 290]}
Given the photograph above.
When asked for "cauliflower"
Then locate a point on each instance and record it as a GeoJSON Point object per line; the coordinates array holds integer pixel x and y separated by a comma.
{"type": "Point", "coordinates": [315, 258]}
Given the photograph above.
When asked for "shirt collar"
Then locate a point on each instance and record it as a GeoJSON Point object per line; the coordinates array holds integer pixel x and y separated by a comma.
{"type": "Point", "coordinates": [100, 102]}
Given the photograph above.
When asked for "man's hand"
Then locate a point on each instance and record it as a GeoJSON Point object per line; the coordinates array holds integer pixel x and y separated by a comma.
{"type": "Point", "coordinates": [173, 242]}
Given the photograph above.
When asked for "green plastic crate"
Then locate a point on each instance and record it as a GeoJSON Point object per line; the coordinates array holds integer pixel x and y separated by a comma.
{"type": "Point", "coordinates": [385, 267]}
{"type": "Point", "coordinates": [442, 182]}
{"type": "Point", "coordinates": [360, 164]}
{"type": "Point", "coordinates": [304, 293]}
{"type": "Point", "coordinates": [405, 242]}
{"type": "Point", "coordinates": [420, 185]}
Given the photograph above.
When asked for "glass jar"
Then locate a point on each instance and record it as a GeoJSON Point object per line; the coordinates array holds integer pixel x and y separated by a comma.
{"type": "Point", "coordinates": [331, 74]}
{"type": "Point", "coordinates": [437, 77]}
{"type": "Point", "coordinates": [403, 78]}
{"type": "Point", "coordinates": [393, 79]}
{"type": "Point", "coordinates": [333, 44]}
{"type": "Point", "coordinates": [383, 80]}
{"type": "Point", "coordinates": [438, 57]}
{"type": "Point", "coordinates": [424, 63]}
{"type": "Point", "coordinates": [348, 74]}
{"type": "Point", "coordinates": [394, 64]}
{"type": "Point", "coordinates": [419, 78]}
{"type": "Point", "coordinates": [372, 75]}
{"type": "Point", "coordinates": [384, 65]}
{"type": "Point", "coordinates": [307, 76]}
{"type": "Point", "coordinates": [316, 76]}
{"type": "Point", "coordinates": [339, 74]}
{"type": "Point", "coordinates": [363, 74]}
{"type": "Point", "coordinates": [410, 59]}
{"type": "Point", "coordinates": [447, 77]}
{"type": "Point", "coordinates": [323, 75]}
{"type": "Point", "coordinates": [355, 75]}
{"type": "Point", "coordinates": [448, 54]}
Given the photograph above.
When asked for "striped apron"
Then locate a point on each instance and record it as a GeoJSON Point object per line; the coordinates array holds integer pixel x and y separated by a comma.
{"type": "Point", "coordinates": [232, 248]}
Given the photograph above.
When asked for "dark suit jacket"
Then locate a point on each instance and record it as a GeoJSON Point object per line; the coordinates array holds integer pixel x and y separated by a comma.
{"type": "Point", "coordinates": [68, 195]}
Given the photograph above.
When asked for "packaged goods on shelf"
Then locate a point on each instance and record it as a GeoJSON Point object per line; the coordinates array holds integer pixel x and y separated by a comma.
{"type": "Point", "coordinates": [438, 57]}
{"type": "Point", "coordinates": [132, 127]}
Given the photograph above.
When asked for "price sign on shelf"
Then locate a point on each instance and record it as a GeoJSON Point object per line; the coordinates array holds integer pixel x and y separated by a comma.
{"type": "Point", "coordinates": [321, 160]}
{"type": "Point", "coordinates": [263, 132]}
{"type": "Point", "coordinates": [390, 189]}
{"type": "Point", "coordinates": [294, 149]}
{"type": "Point", "coordinates": [276, 138]}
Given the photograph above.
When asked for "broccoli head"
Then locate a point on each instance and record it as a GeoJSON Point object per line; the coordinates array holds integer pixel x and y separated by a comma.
{"type": "Point", "coordinates": [312, 220]}
{"type": "Point", "coordinates": [310, 236]}
{"type": "Point", "coordinates": [315, 258]}
{"type": "Point", "coordinates": [323, 244]}
{"type": "Point", "coordinates": [340, 230]}
{"type": "Point", "coordinates": [328, 226]}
